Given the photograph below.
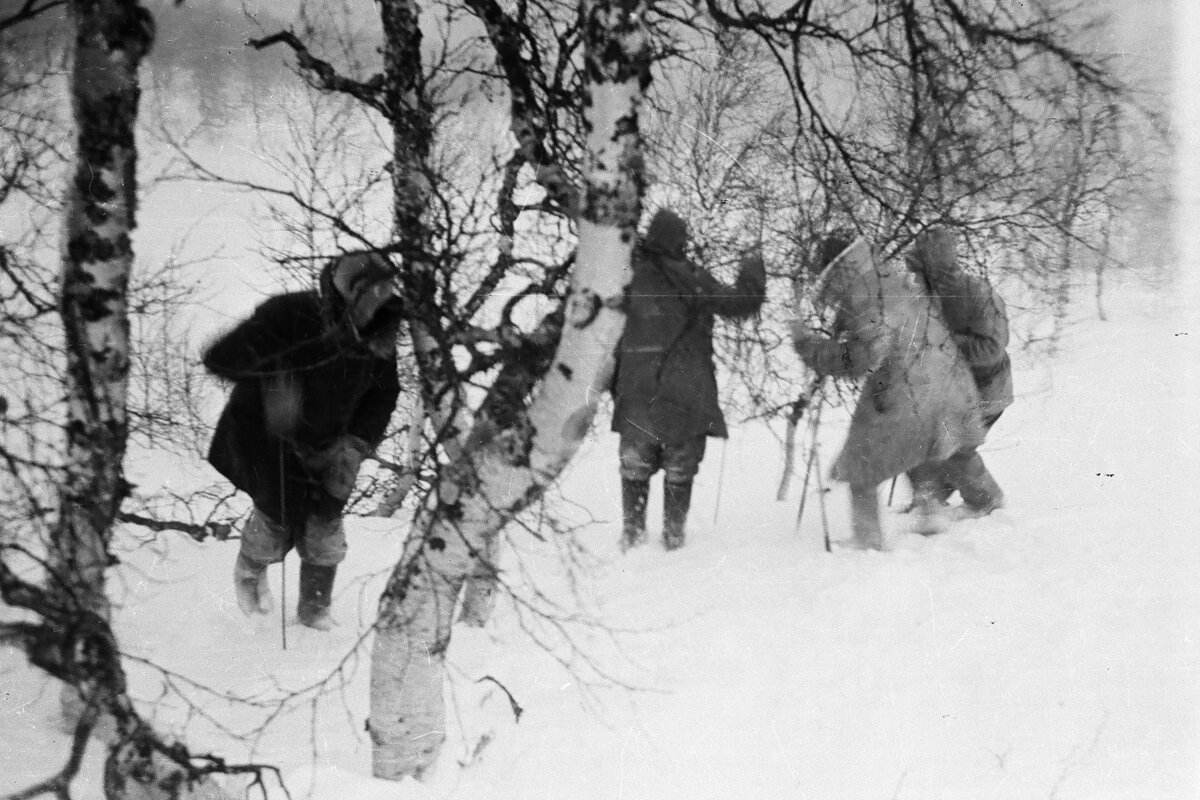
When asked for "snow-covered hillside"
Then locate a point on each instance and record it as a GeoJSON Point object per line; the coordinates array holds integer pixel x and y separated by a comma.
{"type": "Point", "coordinates": [1048, 651]}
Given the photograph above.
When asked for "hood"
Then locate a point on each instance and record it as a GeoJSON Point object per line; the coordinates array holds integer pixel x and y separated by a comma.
{"type": "Point", "coordinates": [668, 234]}
{"type": "Point", "coordinates": [345, 270]}
{"type": "Point", "coordinates": [933, 258]}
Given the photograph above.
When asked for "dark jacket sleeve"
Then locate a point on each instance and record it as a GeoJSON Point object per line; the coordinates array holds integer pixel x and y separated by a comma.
{"type": "Point", "coordinates": [252, 349]}
{"type": "Point", "coordinates": [746, 294]}
{"type": "Point", "coordinates": [741, 299]}
{"type": "Point", "coordinates": [378, 402]}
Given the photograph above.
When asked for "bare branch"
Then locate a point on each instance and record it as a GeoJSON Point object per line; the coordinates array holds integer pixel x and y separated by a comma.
{"type": "Point", "coordinates": [322, 75]}
{"type": "Point", "coordinates": [30, 9]}
{"type": "Point", "coordinates": [217, 530]}
{"type": "Point", "coordinates": [1035, 38]}
{"type": "Point", "coordinates": [529, 118]}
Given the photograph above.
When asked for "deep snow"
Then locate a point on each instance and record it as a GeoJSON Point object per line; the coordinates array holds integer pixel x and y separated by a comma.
{"type": "Point", "coordinates": [1048, 651]}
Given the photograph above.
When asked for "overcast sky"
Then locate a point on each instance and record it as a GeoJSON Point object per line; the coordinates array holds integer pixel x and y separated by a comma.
{"type": "Point", "coordinates": [201, 68]}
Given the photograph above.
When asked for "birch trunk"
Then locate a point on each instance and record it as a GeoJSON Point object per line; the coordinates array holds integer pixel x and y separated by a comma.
{"type": "Point", "coordinates": [111, 38]}
{"type": "Point", "coordinates": [411, 115]}
{"type": "Point", "coordinates": [502, 469]}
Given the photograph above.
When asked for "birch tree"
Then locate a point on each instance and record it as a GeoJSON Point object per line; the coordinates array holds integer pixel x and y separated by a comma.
{"type": "Point", "coordinates": [503, 468]}
{"type": "Point", "coordinates": [111, 39]}
{"type": "Point", "coordinates": [68, 629]}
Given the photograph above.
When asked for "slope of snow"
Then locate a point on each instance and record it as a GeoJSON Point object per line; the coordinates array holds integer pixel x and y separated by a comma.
{"type": "Point", "coordinates": [1047, 651]}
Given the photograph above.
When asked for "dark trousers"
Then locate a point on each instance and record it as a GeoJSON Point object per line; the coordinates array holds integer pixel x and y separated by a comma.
{"type": "Point", "coordinates": [642, 455]}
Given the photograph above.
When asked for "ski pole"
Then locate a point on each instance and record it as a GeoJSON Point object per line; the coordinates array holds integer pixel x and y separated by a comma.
{"type": "Point", "coordinates": [812, 455]}
{"type": "Point", "coordinates": [789, 440]}
{"type": "Point", "coordinates": [821, 498]}
{"type": "Point", "coordinates": [283, 599]}
{"type": "Point", "coordinates": [720, 478]}
{"type": "Point", "coordinates": [789, 449]}
{"type": "Point", "coordinates": [285, 522]}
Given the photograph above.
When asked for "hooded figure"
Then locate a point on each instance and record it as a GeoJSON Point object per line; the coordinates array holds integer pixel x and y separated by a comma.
{"type": "Point", "coordinates": [918, 402]}
{"type": "Point", "coordinates": [665, 386]}
{"type": "Point", "coordinates": [314, 385]}
{"type": "Point", "coordinates": [978, 322]}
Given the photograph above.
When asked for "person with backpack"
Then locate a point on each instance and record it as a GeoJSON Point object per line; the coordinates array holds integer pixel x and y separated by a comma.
{"type": "Point", "coordinates": [978, 321]}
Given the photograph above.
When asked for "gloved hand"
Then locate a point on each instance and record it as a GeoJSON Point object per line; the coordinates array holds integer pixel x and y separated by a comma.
{"type": "Point", "coordinates": [823, 355]}
{"type": "Point", "coordinates": [752, 273]}
{"type": "Point", "coordinates": [337, 466]}
{"type": "Point", "coordinates": [751, 266]}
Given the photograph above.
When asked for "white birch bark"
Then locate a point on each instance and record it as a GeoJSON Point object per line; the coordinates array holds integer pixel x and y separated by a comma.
{"type": "Point", "coordinates": [501, 471]}
{"type": "Point", "coordinates": [97, 261]}
{"type": "Point", "coordinates": [111, 38]}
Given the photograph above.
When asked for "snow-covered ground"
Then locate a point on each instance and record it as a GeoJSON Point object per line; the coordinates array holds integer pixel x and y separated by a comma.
{"type": "Point", "coordinates": [1048, 651]}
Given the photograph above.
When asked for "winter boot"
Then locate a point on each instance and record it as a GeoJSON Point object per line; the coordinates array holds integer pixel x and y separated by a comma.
{"type": "Point", "coordinates": [633, 506]}
{"type": "Point", "coordinates": [316, 594]}
{"type": "Point", "coordinates": [677, 499]}
{"type": "Point", "coordinates": [980, 493]}
{"type": "Point", "coordinates": [250, 586]}
{"type": "Point", "coordinates": [864, 518]}
{"type": "Point", "coordinates": [931, 511]}
{"type": "Point", "coordinates": [933, 478]}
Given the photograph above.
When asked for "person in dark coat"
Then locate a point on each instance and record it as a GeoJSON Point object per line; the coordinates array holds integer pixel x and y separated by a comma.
{"type": "Point", "coordinates": [978, 321]}
{"type": "Point", "coordinates": [917, 403]}
{"type": "Point", "coordinates": [665, 387]}
{"type": "Point", "coordinates": [314, 385]}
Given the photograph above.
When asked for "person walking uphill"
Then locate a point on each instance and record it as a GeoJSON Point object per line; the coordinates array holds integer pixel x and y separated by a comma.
{"type": "Point", "coordinates": [917, 403]}
{"type": "Point", "coordinates": [314, 384]}
{"type": "Point", "coordinates": [665, 387]}
{"type": "Point", "coordinates": [978, 321]}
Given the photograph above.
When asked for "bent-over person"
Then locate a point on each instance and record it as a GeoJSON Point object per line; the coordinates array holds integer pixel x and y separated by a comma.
{"type": "Point", "coordinates": [314, 385]}
{"type": "Point", "coordinates": [917, 401]}
{"type": "Point", "coordinates": [978, 321]}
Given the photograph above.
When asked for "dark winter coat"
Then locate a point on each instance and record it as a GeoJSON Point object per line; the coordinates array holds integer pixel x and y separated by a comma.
{"type": "Point", "coordinates": [918, 401]}
{"type": "Point", "coordinates": [665, 384]}
{"type": "Point", "coordinates": [299, 343]}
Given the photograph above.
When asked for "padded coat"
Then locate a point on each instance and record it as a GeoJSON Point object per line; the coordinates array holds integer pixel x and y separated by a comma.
{"type": "Point", "coordinates": [340, 388]}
